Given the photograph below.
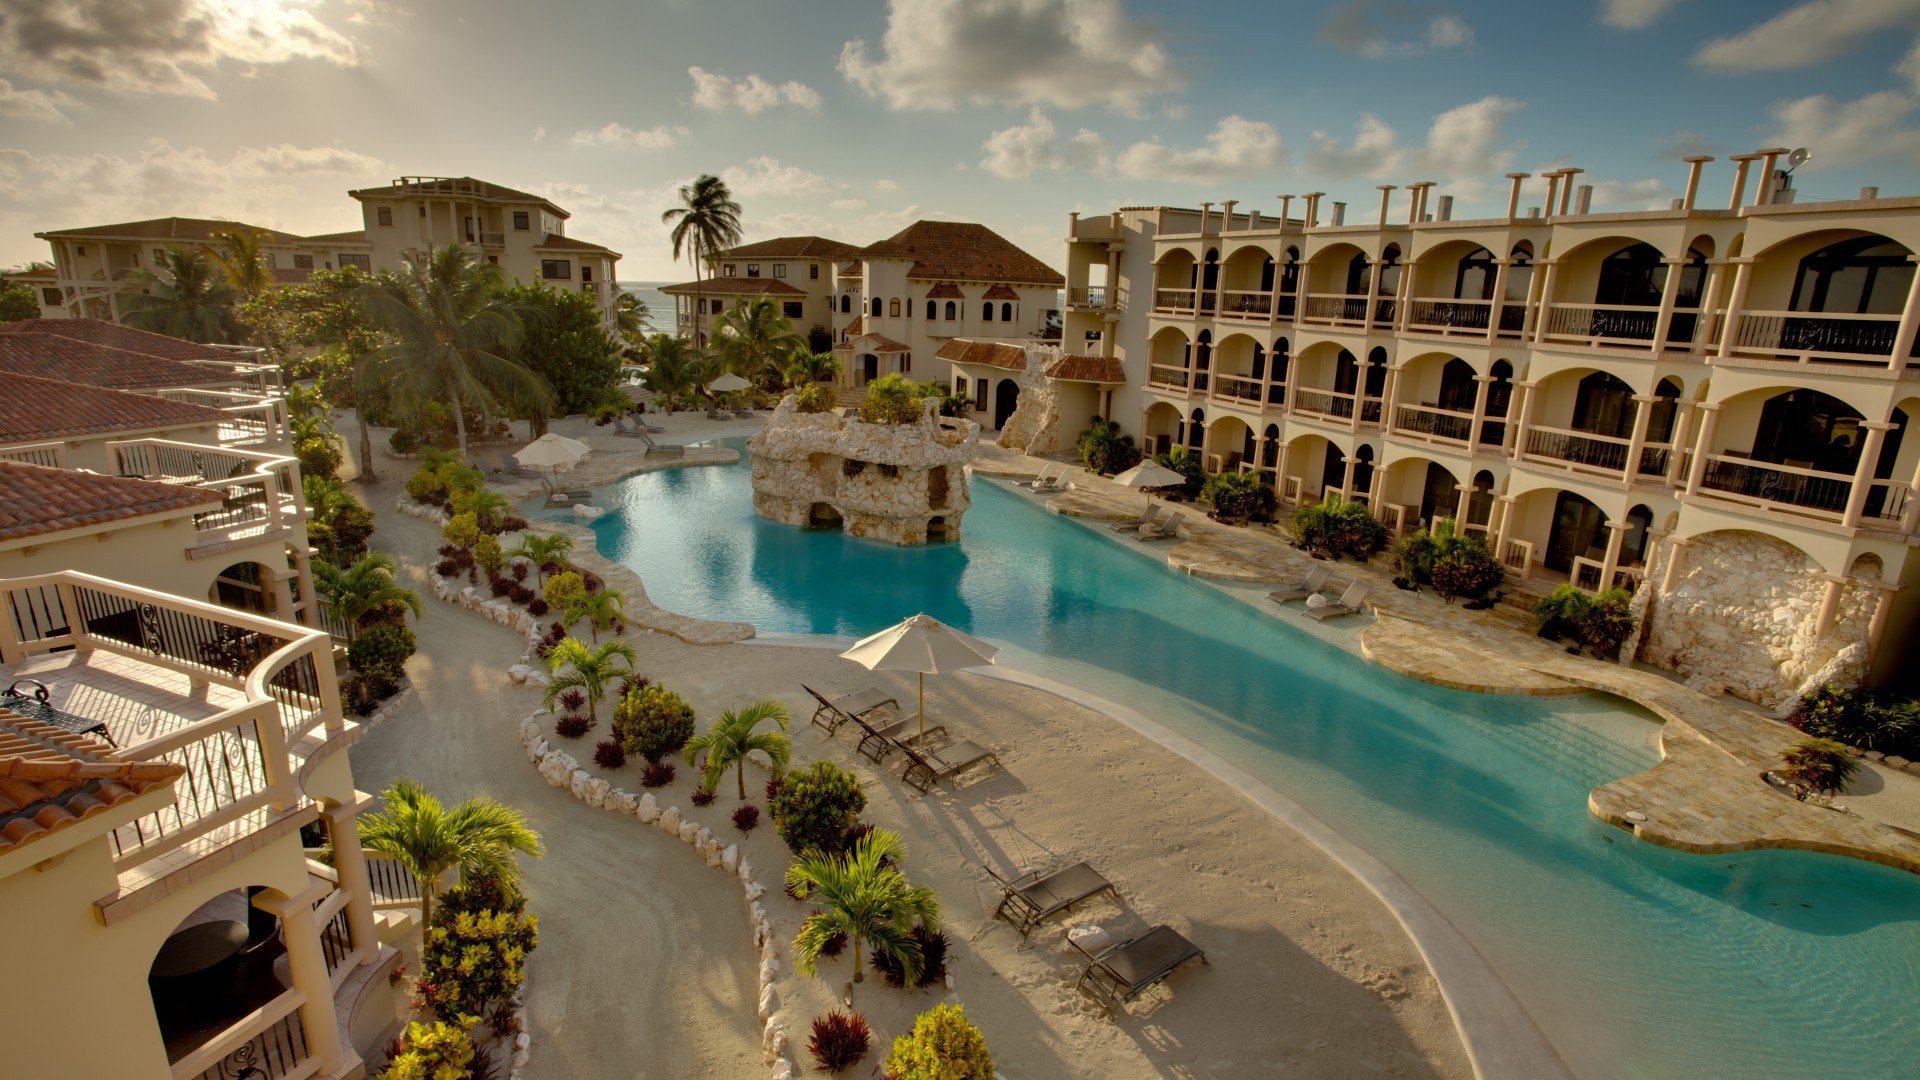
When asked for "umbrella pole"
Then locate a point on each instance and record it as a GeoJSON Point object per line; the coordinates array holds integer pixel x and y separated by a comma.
{"type": "Point", "coordinates": [923, 704]}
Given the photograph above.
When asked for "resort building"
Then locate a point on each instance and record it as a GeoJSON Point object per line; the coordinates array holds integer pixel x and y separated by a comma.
{"type": "Point", "coordinates": [797, 272]}
{"type": "Point", "coordinates": [1707, 403]}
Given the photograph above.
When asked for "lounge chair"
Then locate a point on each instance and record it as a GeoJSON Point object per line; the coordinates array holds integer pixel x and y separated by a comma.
{"type": "Point", "coordinates": [1146, 518]}
{"type": "Point", "coordinates": [842, 709]}
{"type": "Point", "coordinates": [1057, 482]}
{"type": "Point", "coordinates": [1316, 580]}
{"type": "Point", "coordinates": [1030, 898]}
{"type": "Point", "coordinates": [876, 742]}
{"type": "Point", "coordinates": [1163, 530]}
{"type": "Point", "coordinates": [1048, 479]}
{"type": "Point", "coordinates": [659, 448]}
{"type": "Point", "coordinates": [500, 463]}
{"type": "Point", "coordinates": [620, 428]}
{"type": "Point", "coordinates": [1119, 974]}
{"type": "Point", "coordinates": [926, 767]}
{"type": "Point", "coordinates": [1349, 603]}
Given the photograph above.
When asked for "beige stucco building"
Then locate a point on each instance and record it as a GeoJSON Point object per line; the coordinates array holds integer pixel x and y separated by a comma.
{"type": "Point", "coordinates": [796, 272]}
{"type": "Point", "coordinates": [1707, 402]}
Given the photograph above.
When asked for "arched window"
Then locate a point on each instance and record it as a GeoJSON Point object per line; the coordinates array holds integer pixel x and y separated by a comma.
{"type": "Point", "coordinates": [1210, 279]}
{"type": "Point", "coordinates": [1499, 399]}
{"type": "Point", "coordinates": [1290, 273]}
{"type": "Point", "coordinates": [1346, 373]}
{"type": "Point", "coordinates": [1866, 276]}
{"type": "Point", "coordinates": [986, 311]}
{"type": "Point", "coordinates": [1266, 275]}
{"type": "Point", "coordinates": [1809, 429]}
{"type": "Point", "coordinates": [1197, 429]}
{"type": "Point", "coordinates": [1390, 270]}
{"type": "Point", "coordinates": [1666, 404]}
{"type": "Point", "coordinates": [1203, 354]}
{"type": "Point", "coordinates": [1362, 470]}
{"type": "Point", "coordinates": [876, 307]}
{"type": "Point", "coordinates": [893, 308]}
{"type": "Point", "coordinates": [1270, 452]}
{"type": "Point", "coordinates": [931, 308]}
{"type": "Point", "coordinates": [1633, 546]}
{"type": "Point", "coordinates": [1259, 361]}
{"type": "Point", "coordinates": [1635, 276]}
{"type": "Point", "coordinates": [952, 311]}
{"type": "Point", "coordinates": [1520, 273]}
{"type": "Point", "coordinates": [1377, 372]}
{"type": "Point", "coordinates": [1359, 272]}
{"type": "Point", "coordinates": [1006, 312]}
{"type": "Point", "coordinates": [846, 305]}
{"type": "Point", "coordinates": [1604, 406]}
{"type": "Point", "coordinates": [1474, 279]}
{"type": "Point", "coordinates": [1457, 387]}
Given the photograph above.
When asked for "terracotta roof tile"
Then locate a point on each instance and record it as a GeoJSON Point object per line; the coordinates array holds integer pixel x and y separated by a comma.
{"type": "Point", "coordinates": [175, 229]}
{"type": "Point", "coordinates": [351, 236]}
{"type": "Point", "coordinates": [50, 356]}
{"type": "Point", "coordinates": [556, 242]}
{"type": "Point", "coordinates": [946, 290]}
{"type": "Point", "coordinates": [32, 409]}
{"type": "Point", "coordinates": [51, 779]}
{"type": "Point", "coordinates": [465, 187]}
{"type": "Point", "coordinates": [963, 251]}
{"type": "Point", "coordinates": [1000, 292]}
{"type": "Point", "coordinates": [1093, 369]}
{"type": "Point", "coordinates": [736, 286]}
{"type": "Point", "coordinates": [857, 327]}
{"type": "Point", "coordinates": [992, 353]}
{"type": "Point", "coordinates": [874, 343]}
{"type": "Point", "coordinates": [114, 335]}
{"type": "Point", "coordinates": [36, 501]}
{"type": "Point", "coordinates": [792, 247]}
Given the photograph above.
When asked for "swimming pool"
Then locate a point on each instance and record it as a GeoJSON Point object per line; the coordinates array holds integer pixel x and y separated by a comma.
{"type": "Point", "coordinates": [1636, 961]}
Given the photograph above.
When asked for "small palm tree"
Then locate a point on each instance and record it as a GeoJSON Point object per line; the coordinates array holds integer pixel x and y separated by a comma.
{"type": "Point", "coordinates": [590, 670]}
{"type": "Point", "coordinates": [675, 368]}
{"type": "Point", "coordinates": [483, 503]}
{"type": "Point", "coordinates": [325, 496]}
{"type": "Point", "coordinates": [706, 222]}
{"type": "Point", "coordinates": [753, 337]}
{"type": "Point", "coordinates": [805, 367]}
{"type": "Point", "coordinates": [598, 608]}
{"type": "Point", "coordinates": [864, 895]}
{"type": "Point", "coordinates": [363, 587]}
{"type": "Point", "coordinates": [541, 550]}
{"type": "Point", "coordinates": [184, 297]}
{"type": "Point", "coordinates": [239, 252]}
{"type": "Point", "coordinates": [480, 836]}
{"type": "Point", "coordinates": [631, 317]}
{"type": "Point", "coordinates": [732, 738]}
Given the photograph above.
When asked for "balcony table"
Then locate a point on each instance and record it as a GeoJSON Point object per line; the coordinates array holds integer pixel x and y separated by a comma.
{"type": "Point", "coordinates": [36, 707]}
{"type": "Point", "coordinates": [198, 948]}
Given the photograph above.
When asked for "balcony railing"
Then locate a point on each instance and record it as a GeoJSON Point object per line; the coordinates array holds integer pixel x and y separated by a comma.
{"type": "Point", "coordinates": [250, 418]}
{"type": "Point", "coordinates": [1586, 574]}
{"type": "Point", "coordinates": [1617, 324]}
{"type": "Point", "coordinates": [255, 489]}
{"type": "Point", "coordinates": [1796, 490]}
{"type": "Point", "coordinates": [1581, 450]}
{"type": "Point", "coordinates": [50, 455]}
{"type": "Point", "coordinates": [1339, 308]}
{"type": "Point", "coordinates": [1238, 387]}
{"type": "Point", "coordinates": [1449, 316]}
{"type": "Point", "coordinates": [268, 1044]}
{"type": "Point", "coordinates": [1090, 296]}
{"type": "Point", "coordinates": [1325, 403]}
{"type": "Point", "coordinates": [1427, 422]}
{"type": "Point", "coordinates": [1176, 300]}
{"type": "Point", "coordinates": [1167, 375]}
{"type": "Point", "coordinates": [1816, 337]}
{"type": "Point", "coordinates": [1245, 305]}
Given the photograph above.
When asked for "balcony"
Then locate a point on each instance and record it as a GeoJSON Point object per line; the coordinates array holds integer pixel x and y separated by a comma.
{"type": "Point", "coordinates": [1239, 304]}
{"type": "Point", "coordinates": [260, 494]}
{"type": "Point", "coordinates": [1165, 376]}
{"type": "Point", "coordinates": [1325, 405]}
{"type": "Point", "coordinates": [1594, 454]}
{"type": "Point", "coordinates": [1449, 317]}
{"type": "Point", "coordinates": [251, 419]}
{"type": "Point", "coordinates": [1340, 309]}
{"type": "Point", "coordinates": [1802, 337]}
{"type": "Point", "coordinates": [1430, 424]}
{"type": "Point", "coordinates": [1173, 301]}
{"type": "Point", "coordinates": [1616, 325]}
{"type": "Point", "coordinates": [1092, 298]}
{"type": "Point", "coordinates": [1800, 492]}
{"type": "Point", "coordinates": [1239, 388]}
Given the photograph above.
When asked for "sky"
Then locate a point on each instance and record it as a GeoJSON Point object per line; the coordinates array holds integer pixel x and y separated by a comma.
{"type": "Point", "coordinates": [854, 118]}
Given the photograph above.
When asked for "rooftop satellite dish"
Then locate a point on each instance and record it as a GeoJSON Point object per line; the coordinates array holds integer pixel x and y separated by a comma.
{"type": "Point", "coordinates": [1798, 158]}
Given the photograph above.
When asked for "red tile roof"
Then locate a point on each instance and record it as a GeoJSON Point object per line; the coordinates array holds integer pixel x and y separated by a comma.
{"type": "Point", "coordinates": [36, 273]}
{"type": "Point", "coordinates": [51, 779]}
{"type": "Point", "coordinates": [792, 247]}
{"type": "Point", "coordinates": [963, 251]}
{"type": "Point", "coordinates": [351, 236]}
{"type": "Point", "coordinates": [857, 327]}
{"type": "Point", "coordinates": [946, 290]}
{"type": "Point", "coordinates": [50, 356]}
{"type": "Point", "coordinates": [556, 242]}
{"type": "Point", "coordinates": [174, 229]}
{"type": "Point", "coordinates": [1092, 369]}
{"type": "Point", "coordinates": [992, 353]}
{"type": "Point", "coordinates": [736, 286]}
{"type": "Point", "coordinates": [874, 343]}
{"type": "Point", "coordinates": [114, 335]}
{"type": "Point", "coordinates": [464, 187]}
{"type": "Point", "coordinates": [33, 409]}
{"type": "Point", "coordinates": [1000, 292]}
{"type": "Point", "coordinates": [36, 501]}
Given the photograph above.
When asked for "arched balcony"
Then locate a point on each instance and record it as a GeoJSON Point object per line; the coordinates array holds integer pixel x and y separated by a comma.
{"type": "Point", "coordinates": [1414, 492]}
{"type": "Point", "coordinates": [1803, 453]}
{"type": "Point", "coordinates": [1461, 289]}
{"type": "Point", "coordinates": [1169, 356]}
{"type": "Point", "coordinates": [1228, 442]}
{"type": "Point", "coordinates": [1160, 428]}
{"type": "Point", "coordinates": [1336, 285]}
{"type": "Point", "coordinates": [1176, 279]}
{"type": "Point", "coordinates": [1438, 399]}
{"type": "Point", "coordinates": [1240, 370]}
{"type": "Point", "coordinates": [1833, 296]}
{"type": "Point", "coordinates": [1623, 292]}
{"type": "Point", "coordinates": [1590, 422]}
{"type": "Point", "coordinates": [1247, 281]}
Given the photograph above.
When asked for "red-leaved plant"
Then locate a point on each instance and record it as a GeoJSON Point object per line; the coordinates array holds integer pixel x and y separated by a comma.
{"type": "Point", "coordinates": [571, 726]}
{"type": "Point", "coordinates": [839, 1041]}
{"type": "Point", "coordinates": [702, 797]}
{"type": "Point", "coordinates": [609, 754]}
{"type": "Point", "coordinates": [746, 817]}
{"type": "Point", "coordinates": [659, 774]}
{"type": "Point", "coordinates": [574, 700]}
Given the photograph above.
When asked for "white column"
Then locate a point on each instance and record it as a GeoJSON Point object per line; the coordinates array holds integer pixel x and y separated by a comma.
{"type": "Point", "coordinates": [303, 572]}
{"type": "Point", "coordinates": [1909, 319]}
{"type": "Point", "coordinates": [1482, 382]}
{"type": "Point", "coordinates": [1499, 300]}
{"type": "Point", "coordinates": [1669, 295]}
{"type": "Point", "coordinates": [1877, 626]}
{"type": "Point", "coordinates": [1682, 421]}
{"type": "Point", "coordinates": [1742, 273]}
{"type": "Point", "coordinates": [1498, 521]}
{"type": "Point", "coordinates": [1461, 508]}
{"type": "Point", "coordinates": [1829, 603]}
{"type": "Point", "coordinates": [1642, 413]}
{"type": "Point", "coordinates": [1618, 532]}
{"type": "Point", "coordinates": [1346, 478]}
{"type": "Point", "coordinates": [1373, 292]}
{"type": "Point", "coordinates": [1525, 419]}
{"type": "Point", "coordinates": [1703, 445]}
{"type": "Point", "coordinates": [1863, 472]}
{"type": "Point", "coordinates": [1280, 469]}
{"type": "Point", "coordinates": [308, 967]}
{"type": "Point", "coordinates": [1676, 556]}
{"type": "Point", "coordinates": [343, 830]}
{"type": "Point", "coordinates": [1403, 297]}
{"type": "Point", "coordinates": [1540, 312]}
{"type": "Point", "coordinates": [1710, 300]}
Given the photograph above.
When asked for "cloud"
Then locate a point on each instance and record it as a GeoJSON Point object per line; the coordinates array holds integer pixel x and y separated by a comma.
{"type": "Point", "coordinates": [159, 46]}
{"type": "Point", "coordinates": [616, 134]}
{"type": "Point", "coordinates": [884, 184]}
{"type": "Point", "coordinates": [286, 159]}
{"type": "Point", "coordinates": [1462, 146]}
{"type": "Point", "coordinates": [540, 134]}
{"type": "Point", "coordinates": [848, 204]}
{"type": "Point", "coordinates": [1807, 34]}
{"type": "Point", "coordinates": [938, 54]}
{"type": "Point", "coordinates": [1237, 148]}
{"type": "Point", "coordinates": [1686, 143]}
{"type": "Point", "coordinates": [712, 90]}
{"type": "Point", "coordinates": [1024, 149]}
{"type": "Point", "coordinates": [1634, 14]}
{"type": "Point", "coordinates": [1364, 28]}
{"type": "Point", "coordinates": [41, 105]}
{"type": "Point", "coordinates": [1842, 133]}
{"type": "Point", "coordinates": [1623, 195]}
{"type": "Point", "coordinates": [765, 176]}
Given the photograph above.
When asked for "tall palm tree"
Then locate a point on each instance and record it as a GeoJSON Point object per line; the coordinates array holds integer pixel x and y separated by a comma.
{"type": "Point", "coordinates": [864, 895]}
{"type": "Point", "coordinates": [184, 297]}
{"type": "Point", "coordinates": [363, 587]}
{"type": "Point", "coordinates": [240, 252]}
{"type": "Point", "coordinates": [706, 222]}
{"type": "Point", "coordinates": [590, 670]}
{"type": "Point", "coordinates": [753, 338]}
{"type": "Point", "coordinates": [480, 836]}
{"type": "Point", "coordinates": [451, 334]}
{"type": "Point", "coordinates": [631, 317]}
{"type": "Point", "coordinates": [806, 366]}
{"type": "Point", "coordinates": [732, 738]}
{"type": "Point", "coordinates": [676, 368]}
{"type": "Point", "coordinates": [598, 608]}
{"type": "Point", "coordinates": [541, 550]}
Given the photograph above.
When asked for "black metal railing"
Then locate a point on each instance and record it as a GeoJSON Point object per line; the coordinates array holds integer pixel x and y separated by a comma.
{"type": "Point", "coordinates": [1450, 314]}
{"type": "Point", "coordinates": [278, 1051]}
{"type": "Point", "coordinates": [179, 636]}
{"type": "Point", "coordinates": [1442, 425]}
{"type": "Point", "coordinates": [1513, 318]}
{"type": "Point", "coordinates": [1577, 449]}
{"type": "Point", "coordinates": [1654, 460]}
{"type": "Point", "coordinates": [240, 504]}
{"type": "Point", "coordinates": [38, 614]}
{"type": "Point", "coordinates": [390, 882]}
{"type": "Point", "coordinates": [224, 768]}
{"type": "Point", "coordinates": [296, 690]}
{"type": "Point", "coordinates": [336, 939]}
{"type": "Point", "coordinates": [1772, 484]}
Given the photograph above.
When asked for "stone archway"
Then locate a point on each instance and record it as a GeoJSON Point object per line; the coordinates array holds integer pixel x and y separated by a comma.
{"type": "Point", "coordinates": [1006, 398]}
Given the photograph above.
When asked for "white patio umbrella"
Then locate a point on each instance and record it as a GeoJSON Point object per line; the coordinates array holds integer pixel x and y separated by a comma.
{"type": "Point", "coordinates": [728, 383]}
{"type": "Point", "coordinates": [923, 644]}
{"type": "Point", "coordinates": [1150, 474]}
{"type": "Point", "coordinates": [553, 453]}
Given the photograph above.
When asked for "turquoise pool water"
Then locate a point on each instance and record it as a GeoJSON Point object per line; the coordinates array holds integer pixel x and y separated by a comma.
{"type": "Point", "coordinates": [1637, 962]}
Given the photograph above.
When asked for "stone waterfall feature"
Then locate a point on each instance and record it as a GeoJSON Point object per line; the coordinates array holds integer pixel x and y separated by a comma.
{"type": "Point", "coordinates": [900, 483]}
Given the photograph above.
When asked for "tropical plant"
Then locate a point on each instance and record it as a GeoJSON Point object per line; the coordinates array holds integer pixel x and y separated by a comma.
{"type": "Point", "coordinates": [461, 529]}
{"type": "Point", "coordinates": [815, 806]}
{"type": "Point", "coordinates": [562, 587]}
{"type": "Point", "coordinates": [1336, 526]}
{"type": "Point", "coordinates": [1186, 462]}
{"type": "Point", "coordinates": [892, 399]}
{"type": "Point", "coordinates": [1881, 721]}
{"type": "Point", "coordinates": [806, 367]}
{"type": "Point", "coordinates": [706, 222]}
{"type": "Point", "coordinates": [745, 818]}
{"type": "Point", "coordinates": [1602, 622]}
{"type": "Point", "coordinates": [652, 721]}
{"type": "Point", "coordinates": [360, 589]}
{"type": "Point", "coordinates": [451, 334]}
{"type": "Point", "coordinates": [336, 524]}
{"type": "Point", "coordinates": [1466, 566]}
{"type": "Point", "coordinates": [469, 958]}
{"type": "Point", "coordinates": [320, 327]}
{"type": "Point", "coordinates": [482, 837]}
{"type": "Point", "coordinates": [240, 254]}
{"type": "Point", "coordinates": [487, 553]}
{"type": "Point", "coordinates": [752, 338]}
{"type": "Point", "coordinates": [184, 297]}
{"type": "Point", "coordinates": [732, 738]}
{"type": "Point", "coordinates": [933, 961]}
{"type": "Point", "coordinates": [631, 317]}
{"type": "Point", "coordinates": [815, 398]}
{"type": "Point", "coordinates": [437, 1051]}
{"type": "Point", "coordinates": [839, 1040]}
{"type": "Point", "coordinates": [378, 655]}
{"type": "Point", "coordinates": [565, 342]}
{"type": "Point", "coordinates": [574, 665]}
{"type": "Point", "coordinates": [18, 300]}
{"type": "Point", "coordinates": [609, 754]}
{"type": "Point", "coordinates": [1239, 497]}
{"type": "Point", "coordinates": [542, 550]}
{"type": "Point", "coordinates": [944, 1045]}
{"type": "Point", "coordinates": [947, 401]}
{"type": "Point", "coordinates": [1817, 765]}
{"type": "Point", "coordinates": [1413, 556]}
{"type": "Point", "coordinates": [480, 502]}
{"type": "Point", "coordinates": [601, 609]}
{"type": "Point", "coordinates": [862, 893]}
{"type": "Point", "coordinates": [674, 369]}
{"type": "Point", "coordinates": [1106, 449]}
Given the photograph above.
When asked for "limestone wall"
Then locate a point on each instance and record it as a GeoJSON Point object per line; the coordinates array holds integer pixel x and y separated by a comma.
{"type": "Point", "coordinates": [1743, 614]}
{"type": "Point", "coordinates": [1034, 427]}
{"type": "Point", "coordinates": [897, 483]}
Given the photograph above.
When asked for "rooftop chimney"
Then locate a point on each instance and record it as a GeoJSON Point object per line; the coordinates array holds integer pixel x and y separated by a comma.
{"type": "Point", "coordinates": [1868, 194]}
{"type": "Point", "coordinates": [1446, 208]}
{"type": "Point", "coordinates": [1583, 199]}
{"type": "Point", "coordinates": [1226, 214]}
{"type": "Point", "coordinates": [1566, 187]}
{"type": "Point", "coordinates": [1693, 180]}
{"type": "Point", "coordinates": [1339, 214]}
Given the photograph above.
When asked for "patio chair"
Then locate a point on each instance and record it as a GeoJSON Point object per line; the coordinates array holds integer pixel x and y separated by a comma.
{"type": "Point", "coordinates": [845, 708]}
{"type": "Point", "coordinates": [620, 428]}
{"type": "Point", "coordinates": [1146, 518]}
{"type": "Point", "coordinates": [1164, 530]}
{"type": "Point", "coordinates": [1048, 479]}
{"type": "Point", "coordinates": [1119, 974]}
{"type": "Point", "coordinates": [876, 742]}
{"type": "Point", "coordinates": [660, 448]}
{"type": "Point", "coordinates": [1316, 580]}
{"type": "Point", "coordinates": [1349, 603]}
{"type": "Point", "coordinates": [1031, 898]}
{"type": "Point", "coordinates": [927, 767]}
{"type": "Point", "coordinates": [498, 463]}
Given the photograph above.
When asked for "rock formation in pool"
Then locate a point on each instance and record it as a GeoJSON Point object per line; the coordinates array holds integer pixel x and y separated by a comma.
{"type": "Point", "coordinates": [899, 482]}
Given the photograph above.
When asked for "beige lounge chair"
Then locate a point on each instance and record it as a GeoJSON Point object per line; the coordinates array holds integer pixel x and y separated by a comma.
{"type": "Point", "coordinates": [1146, 518]}
{"type": "Point", "coordinates": [1047, 479]}
{"type": "Point", "coordinates": [1163, 530]}
{"type": "Point", "coordinates": [1349, 603]}
{"type": "Point", "coordinates": [1316, 580]}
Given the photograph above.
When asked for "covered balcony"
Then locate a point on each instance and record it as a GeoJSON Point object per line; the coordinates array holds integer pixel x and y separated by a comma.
{"type": "Point", "coordinates": [1440, 398]}
{"type": "Point", "coordinates": [253, 418]}
{"type": "Point", "coordinates": [1591, 423]}
{"type": "Point", "coordinates": [1548, 535]}
{"type": "Point", "coordinates": [1176, 283]}
{"type": "Point", "coordinates": [1345, 287]}
{"type": "Point", "coordinates": [260, 493]}
{"type": "Point", "coordinates": [1327, 385]}
{"type": "Point", "coordinates": [1827, 297]}
{"type": "Point", "coordinates": [1808, 455]}
{"type": "Point", "coordinates": [1248, 282]}
{"type": "Point", "coordinates": [1619, 292]}
{"type": "Point", "coordinates": [1463, 290]}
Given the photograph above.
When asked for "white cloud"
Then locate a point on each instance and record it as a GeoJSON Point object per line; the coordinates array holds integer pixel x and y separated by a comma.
{"type": "Point", "coordinates": [540, 134]}
{"type": "Point", "coordinates": [1462, 147]}
{"type": "Point", "coordinates": [765, 176]}
{"type": "Point", "coordinates": [712, 90]}
{"type": "Point", "coordinates": [1807, 34]}
{"type": "Point", "coordinates": [1237, 148]}
{"type": "Point", "coordinates": [938, 54]}
{"type": "Point", "coordinates": [286, 159]}
{"type": "Point", "coordinates": [1634, 14]}
{"type": "Point", "coordinates": [159, 46]}
{"type": "Point", "coordinates": [616, 134]}
{"type": "Point", "coordinates": [849, 204]}
{"type": "Point", "coordinates": [1024, 149]}
{"type": "Point", "coordinates": [41, 105]}
{"type": "Point", "coordinates": [1367, 28]}
{"type": "Point", "coordinates": [1841, 133]}
{"type": "Point", "coordinates": [884, 184]}
{"type": "Point", "coordinates": [1623, 195]}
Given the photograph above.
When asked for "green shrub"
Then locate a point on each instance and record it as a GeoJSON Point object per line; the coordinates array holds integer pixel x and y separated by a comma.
{"type": "Point", "coordinates": [562, 587]}
{"type": "Point", "coordinates": [944, 1045]}
{"type": "Point", "coordinates": [815, 806]}
{"type": "Point", "coordinates": [439, 1051]}
{"type": "Point", "coordinates": [342, 537]}
{"type": "Point", "coordinates": [403, 441]}
{"type": "Point", "coordinates": [1559, 613]}
{"type": "Point", "coordinates": [1465, 566]}
{"type": "Point", "coordinates": [1239, 497]}
{"type": "Point", "coordinates": [1413, 557]}
{"type": "Point", "coordinates": [425, 485]}
{"type": "Point", "coordinates": [1602, 623]}
{"type": "Point", "coordinates": [1884, 722]}
{"type": "Point", "coordinates": [892, 399]}
{"type": "Point", "coordinates": [457, 479]}
{"type": "Point", "coordinates": [652, 721]}
{"type": "Point", "coordinates": [379, 653]}
{"type": "Point", "coordinates": [815, 398]}
{"type": "Point", "coordinates": [1106, 449]}
{"type": "Point", "coordinates": [486, 552]}
{"type": "Point", "coordinates": [1187, 464]}
{"type": "Point", "coordinates": [471, 957]}
{"type": "Point", "coordinates": [461, 530]}
{"type": "Point", "coordinates": [1817, 765]}
{"type": "Point", "coordinates": [1336, 526]}
{"type": "Point", "coordinates": [318, 457]}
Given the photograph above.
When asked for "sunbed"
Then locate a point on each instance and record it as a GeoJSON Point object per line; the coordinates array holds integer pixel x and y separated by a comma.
{"type": "Point", "coordinates": [1055, 482]}
{"type": "Point", "coordinates": [845, 708]}
{"type": "Point", "coordinates": [927, 767]}
{"type": "Point", "coordinates": [1316, 580]}
{"type": "Point", "coordinates": [1146, 518]}
{"type": "Point", "coordinates": [1121, 973]}
{"type": "Point", "coordinates": [1348, 604]}
{"type": "Point", "coordinates": [1031, 898]}
{"type": "Point", "coordinates": [659, 448]}
{"type": "Point", "coordinates": [1047, 480]}
{"type": "Point", "coordinates": [877, 741]}
{"type": "Point", "coordinates": [1163, 530]}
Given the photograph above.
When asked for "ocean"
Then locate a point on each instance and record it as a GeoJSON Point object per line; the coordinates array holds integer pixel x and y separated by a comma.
{"type": "Point", "coordinates": [659, 304]}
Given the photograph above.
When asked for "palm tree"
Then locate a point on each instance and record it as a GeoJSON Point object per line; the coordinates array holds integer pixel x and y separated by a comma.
{"type": "Point", "coordinates": [183, 297]}
{"type": "Point", "coordinates": [480, 836]}
{"type": "Point", "coordinates": [541, 550]}
{"type": "Point", "coordinates": [598, 608]}
{"type": "Point", "coordinates": [238, 251]}
{"type": "Point", "coordinates": [591, 670]}
{"type": "Point", "coordinates": [363, 587]}
{"type": "Point", "coordinates": [753, 337]}
{"type": "Point", "coordinates": [631, 317]}
{"type": "Point", "coordinates": [325, 497]}
{"type": "Point", "coordinates": [483, 503]}
{"type": "Point", "coordinates": [706, 222]}
{"type": "Point", "coordinates": [311, 426]}
{"type": "Point", "coordinates": [806, 367]}
{"type": "Point", "coordinates": [451, 336]}
{"type": "Point", "coordinates": [676, 368]}
{"type": "Point", "coordinates": [864, 895]}
{"type": "Point", "coordinates": [732, 738]}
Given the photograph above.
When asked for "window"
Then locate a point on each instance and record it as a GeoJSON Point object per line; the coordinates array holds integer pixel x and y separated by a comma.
{"type": "Point", "coordinates": [813, 271]}
{"type": "Point", "coordinates": [303, 262]}
{"type": "Point", "coordinates": [728, 270]}
{"type": "Point", "coordinates": [423, 209]}
{"type": "Point", "coordinates": [522, 220]}
{"type": "Point", "coordinates": [273, 260]}
{"type": "Point", "coordinates": [893, 308]}
{"type": "Point", "coordinates": [1867, 276]}
{"type": "Point", "coordinates": [906, 362]}
{"type": "Point", "coordinates": [846, 305]}
{"type": "Point", "coordinates": [952, 311]}
{"type": "Point", "coordinates": [779, 270]}
{"type": "Point", "coordinates": [753, 269]}
{"type": "Point", "coordinates": [791, 308]}
{"type": "Point", "coordinates": [494, 259]}
{"type": "Point", "coordinates": [986, 311]}
{"type": "Point", "coordinates": [931, 308]}
{"type": "Point", "coordinates": [1006, 312]}
{"type": "Point", "coordinates": [80, 250]}
{"type": "Point", "coordinates": [553, 269]}
{"type": "Point", "coordinates": [384, 215]}
{"type": "Point", "coordinates": [715, 307]}
{"type": "Point", "coordinates": [50, 297]}
{"type": "Point", "coordinates": [876, 307]}
{"type": "Point", "coordinates": [363, 262]}
{"type": "Point", "coordinates": [586, 272]}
